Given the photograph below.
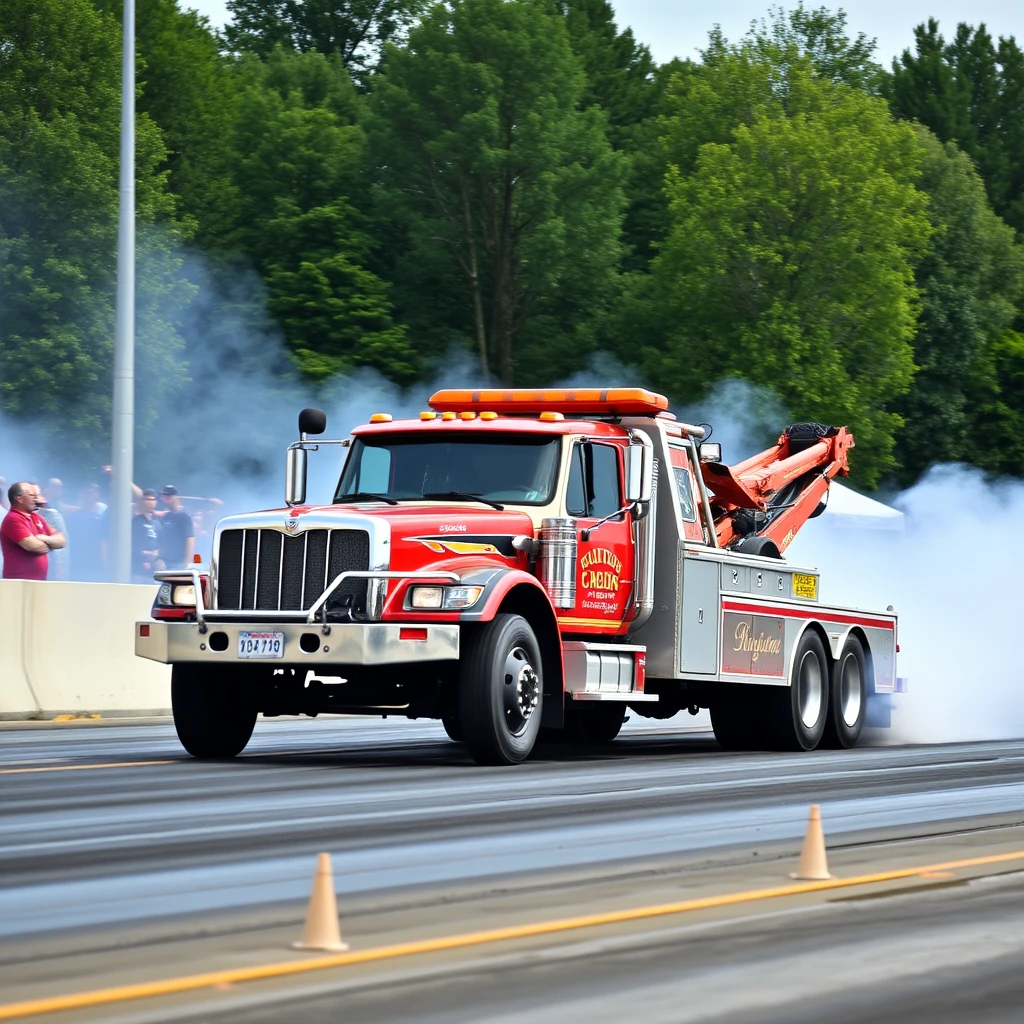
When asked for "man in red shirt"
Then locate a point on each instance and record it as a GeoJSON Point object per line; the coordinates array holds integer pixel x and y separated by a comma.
{"type": "Point", "coordinates": [25, 538]}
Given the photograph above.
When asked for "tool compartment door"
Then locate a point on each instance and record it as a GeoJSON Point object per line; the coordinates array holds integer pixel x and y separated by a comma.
{"type": "Point", "coordinates": [699, 612]}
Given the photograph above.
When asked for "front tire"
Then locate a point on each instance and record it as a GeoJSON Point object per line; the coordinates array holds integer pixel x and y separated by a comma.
{"type": "Point", "coordinates": [214, 715]}
{"type": "Point", "coordinates": [848, 699]}
{"type": "Point", "coordinates": [797, 713]}
{"type": "Point", "coordinates": [501, 690]}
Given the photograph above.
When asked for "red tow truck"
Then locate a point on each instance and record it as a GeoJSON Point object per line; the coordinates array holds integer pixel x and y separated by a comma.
{"type": "Point", "coordinates": [519, 560]}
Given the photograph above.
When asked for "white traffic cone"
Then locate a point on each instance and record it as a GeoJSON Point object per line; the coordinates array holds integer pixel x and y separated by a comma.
{"type": "Point", "coordinates": [322, 931]}
{"type": "Point", "coordinates": [813, 865]}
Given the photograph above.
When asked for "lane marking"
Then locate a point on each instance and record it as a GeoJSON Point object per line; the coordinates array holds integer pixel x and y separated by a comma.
{"type": "Point", "coordinates": [217, 979]}
{"type": "Point", "coordinates": [86, 767]}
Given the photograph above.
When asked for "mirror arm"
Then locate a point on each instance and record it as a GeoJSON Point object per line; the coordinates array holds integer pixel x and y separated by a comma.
{"type": "Point", "coordinates": [585, 534]}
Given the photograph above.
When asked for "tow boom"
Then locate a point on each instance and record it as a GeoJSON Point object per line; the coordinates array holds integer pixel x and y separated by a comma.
{"type": "Point", "coordinates": [773, 494]}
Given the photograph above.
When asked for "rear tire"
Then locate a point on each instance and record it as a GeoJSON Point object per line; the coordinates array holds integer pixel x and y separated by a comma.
{"type": "Point", "coordinates": [501, 690]}
{"type": "Point", "coordinates": [597, 721]}
{"type": "Point", "coordinates": [797, 713]}
{"type": "Point", "coordinates": [214, 713]}
{"type": "Point", "coordinates": [848, 697]}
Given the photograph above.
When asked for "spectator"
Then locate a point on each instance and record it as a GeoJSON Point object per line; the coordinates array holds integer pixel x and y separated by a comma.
{"type": "Point", "coordinates": [53, 518]}
{"type": "Point", "coordinates": [25, 537]}
{"type": "Point", "coordinates": [177, 537]}
{"type": "Point", "coordinates": [54, 492]}
{"type": "Point", "coordinates": [89, 530]}
{"type": "Point", "coordinates": [146, 530]}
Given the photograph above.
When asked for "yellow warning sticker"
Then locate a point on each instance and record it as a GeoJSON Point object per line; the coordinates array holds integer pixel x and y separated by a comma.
{"type": "Point", "coordinates": [805, 585]}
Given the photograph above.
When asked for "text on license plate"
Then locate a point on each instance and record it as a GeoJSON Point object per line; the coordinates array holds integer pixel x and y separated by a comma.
{"type": "Point", "coordinates": [266, 644]}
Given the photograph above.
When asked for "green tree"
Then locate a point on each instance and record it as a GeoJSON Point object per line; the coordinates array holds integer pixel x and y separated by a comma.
{"type": "Point", "coordinates": [355, 30]}
{"type": "Point", "coordinates": [995, 391]}
{"type": "Point", "coordinates": [969, 91]}
{"type": "Point", "coordinates": [478, 133]}
{"type": "Point", "coordinates": [789, 261]}
{"type": "Point", "coordinates": [188, 89]}
{"type": "Point", "coordinates": [970, 281]}
{"type": "Point", "coordinates": [60, 82]}
{"type": "Point", "coordinates": [299, 158]}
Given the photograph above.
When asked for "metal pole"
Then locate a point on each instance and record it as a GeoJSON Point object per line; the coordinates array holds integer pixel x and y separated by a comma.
{"type": "Point", "coordinates": [123, 420]}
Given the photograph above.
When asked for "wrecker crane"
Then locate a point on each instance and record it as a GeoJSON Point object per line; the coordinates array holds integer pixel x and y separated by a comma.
{"type": "Point", "coordinates": [517, 560]}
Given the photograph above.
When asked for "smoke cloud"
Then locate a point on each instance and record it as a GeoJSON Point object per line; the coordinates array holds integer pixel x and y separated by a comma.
{"type": "Point", "coordinates": [948, 573]}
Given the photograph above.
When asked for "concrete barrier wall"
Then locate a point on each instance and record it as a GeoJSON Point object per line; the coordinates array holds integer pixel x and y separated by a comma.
{"type": "Point", "coordinates": [70, 648]}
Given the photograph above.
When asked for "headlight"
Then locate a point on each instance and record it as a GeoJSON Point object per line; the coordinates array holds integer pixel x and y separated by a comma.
{"type": "Point", "coordinates": [450, 599]}
{"type": "Point", "coordinates": [427, 598]}
{"type": "Point", "coordinates": [183, 595]}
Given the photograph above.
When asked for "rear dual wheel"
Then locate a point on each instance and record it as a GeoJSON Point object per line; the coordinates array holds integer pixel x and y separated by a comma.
{"type": "Point", "coordinates": [848, 700]}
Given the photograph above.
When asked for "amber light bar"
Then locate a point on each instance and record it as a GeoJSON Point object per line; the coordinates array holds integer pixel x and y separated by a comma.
{"type": "Point", "coordinates": [579, 401]}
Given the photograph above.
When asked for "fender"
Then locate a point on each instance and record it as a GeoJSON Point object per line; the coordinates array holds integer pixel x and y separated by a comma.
{"type": "Point", "coordinates": [518, 591]}
{"type": "Point", "coordinates": [497, 582]}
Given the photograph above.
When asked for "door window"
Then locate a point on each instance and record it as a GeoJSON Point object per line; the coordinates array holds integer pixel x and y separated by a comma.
{"type": "Point", "coordinates": [595, 489]}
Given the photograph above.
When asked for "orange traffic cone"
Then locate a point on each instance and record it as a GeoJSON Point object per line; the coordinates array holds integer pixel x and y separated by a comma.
{"type": "Point", "coordinates": [813, 865]}
{"type": "Point", "coordinates": [322, 931]}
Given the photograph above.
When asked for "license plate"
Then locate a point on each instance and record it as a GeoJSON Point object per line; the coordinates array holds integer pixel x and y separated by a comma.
{"type": "Point", "coordinates": [266, 644]}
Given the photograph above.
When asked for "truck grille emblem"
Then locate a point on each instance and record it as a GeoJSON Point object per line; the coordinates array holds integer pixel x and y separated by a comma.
{"type": "Point", "coordinates": [291, 525]}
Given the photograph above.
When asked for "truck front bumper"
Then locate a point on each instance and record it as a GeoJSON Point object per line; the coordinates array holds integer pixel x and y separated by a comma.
{"type": "Point", "coordinates": [375, 643]}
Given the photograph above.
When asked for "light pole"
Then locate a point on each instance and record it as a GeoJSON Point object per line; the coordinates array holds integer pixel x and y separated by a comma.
{"type": "Point", "coordinates": [123, 420]}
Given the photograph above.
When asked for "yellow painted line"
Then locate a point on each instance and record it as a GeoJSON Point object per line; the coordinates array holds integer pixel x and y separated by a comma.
{"type": "Point", "coordinates": [86, 767]}
{"type": "Point", "coordinates": [221, 979]}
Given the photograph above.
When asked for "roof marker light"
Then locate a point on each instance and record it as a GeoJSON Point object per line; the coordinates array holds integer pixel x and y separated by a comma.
{"type": "Point", "coordinates": [488, 415]}
{"type": "Point", "coordinates": [447, 416]}
{"type": "Point", "coordinates": [551, 417]}
{"type": "Point", "coordinates": [381, 417]}
{"type": "Point", "coordinates": [428, 416]}
{"type": "Point", "coordinates": [467, 415]}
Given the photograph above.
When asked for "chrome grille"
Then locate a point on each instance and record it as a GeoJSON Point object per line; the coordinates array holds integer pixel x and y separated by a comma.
{"type": "Point", "coordinates": [267, 570]}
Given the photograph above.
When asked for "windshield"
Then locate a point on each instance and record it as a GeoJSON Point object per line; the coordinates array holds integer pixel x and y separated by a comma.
{"type": "Point", "coordinates": [520, 469]}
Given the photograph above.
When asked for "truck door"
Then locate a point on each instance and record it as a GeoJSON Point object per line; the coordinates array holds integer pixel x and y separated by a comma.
{"type": "Point", "coordinates": [605, 562]}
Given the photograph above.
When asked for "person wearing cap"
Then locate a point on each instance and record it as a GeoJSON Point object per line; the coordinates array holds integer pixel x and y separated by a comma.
{"type": "Point", "coordinates": [177, 537]}
{"type": "Point", "coordinates": [25, 537]}
{"type": "Point", "coordinates": [146, 539]}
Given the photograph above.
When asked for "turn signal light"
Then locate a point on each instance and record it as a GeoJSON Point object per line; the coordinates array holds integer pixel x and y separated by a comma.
{"type": "Point", "coordinates": [428, 416]}
{"type": "Point", "coordinates": [488, 415]}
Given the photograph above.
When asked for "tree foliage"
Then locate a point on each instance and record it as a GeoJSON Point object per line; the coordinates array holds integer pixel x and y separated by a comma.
{"type": "Point", "coordinates": [971, 281]}
{"type": "Point", "coordinates": [477, 127]}
{"type": "Point", "coordinates": [60, 87]}
{"type": "Point", "coordinates": [299, 161]}
{"type": "Point", "coordinates": [789, 256]}
{"type": "Point", "coordinates": [355, 31]}
{"type": "Point", "coordinates": [969, 91]}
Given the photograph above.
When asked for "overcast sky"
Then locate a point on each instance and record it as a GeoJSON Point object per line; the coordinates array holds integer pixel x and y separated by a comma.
{"type": "Point", "coordinates": [673, 28]}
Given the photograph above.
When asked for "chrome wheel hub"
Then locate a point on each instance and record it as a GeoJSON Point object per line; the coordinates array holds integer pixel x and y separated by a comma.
{"type": "Point", "coordinates": [850, 695]}
{"type": "Point", "coordinates": [521, 690]}
{"type": "Point", "coordinates": [809, 690]}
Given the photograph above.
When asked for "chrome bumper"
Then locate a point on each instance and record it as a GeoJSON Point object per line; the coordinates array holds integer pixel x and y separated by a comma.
{"type": "Point", "coordinates": [376, 643]}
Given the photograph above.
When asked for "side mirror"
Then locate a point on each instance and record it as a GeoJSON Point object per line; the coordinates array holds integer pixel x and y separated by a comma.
{"type": "Point", "coordinates": [312, 421]}
{"type": "Point", "coordinates": [710, 451]}
{"type": "Point", "coordinates": [295, 476]}
{"type": "Point", "coordinates": [639, 472]}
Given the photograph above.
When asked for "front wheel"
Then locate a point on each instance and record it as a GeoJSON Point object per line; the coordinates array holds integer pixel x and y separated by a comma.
{"type": "Point", "coordinates": [501, 690]}
{"type": "Point", "coordinates": [214, 715]}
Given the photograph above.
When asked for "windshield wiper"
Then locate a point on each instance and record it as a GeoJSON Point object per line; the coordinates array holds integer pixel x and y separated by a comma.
{"type": "Point", "coordinates": [364, 496]}
{"type": "Point", "coordinates": [464, 495]}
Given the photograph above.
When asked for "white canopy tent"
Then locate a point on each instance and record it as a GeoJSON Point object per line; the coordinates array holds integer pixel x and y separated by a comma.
{"type": "Point", "coordinates": [849, 510]}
